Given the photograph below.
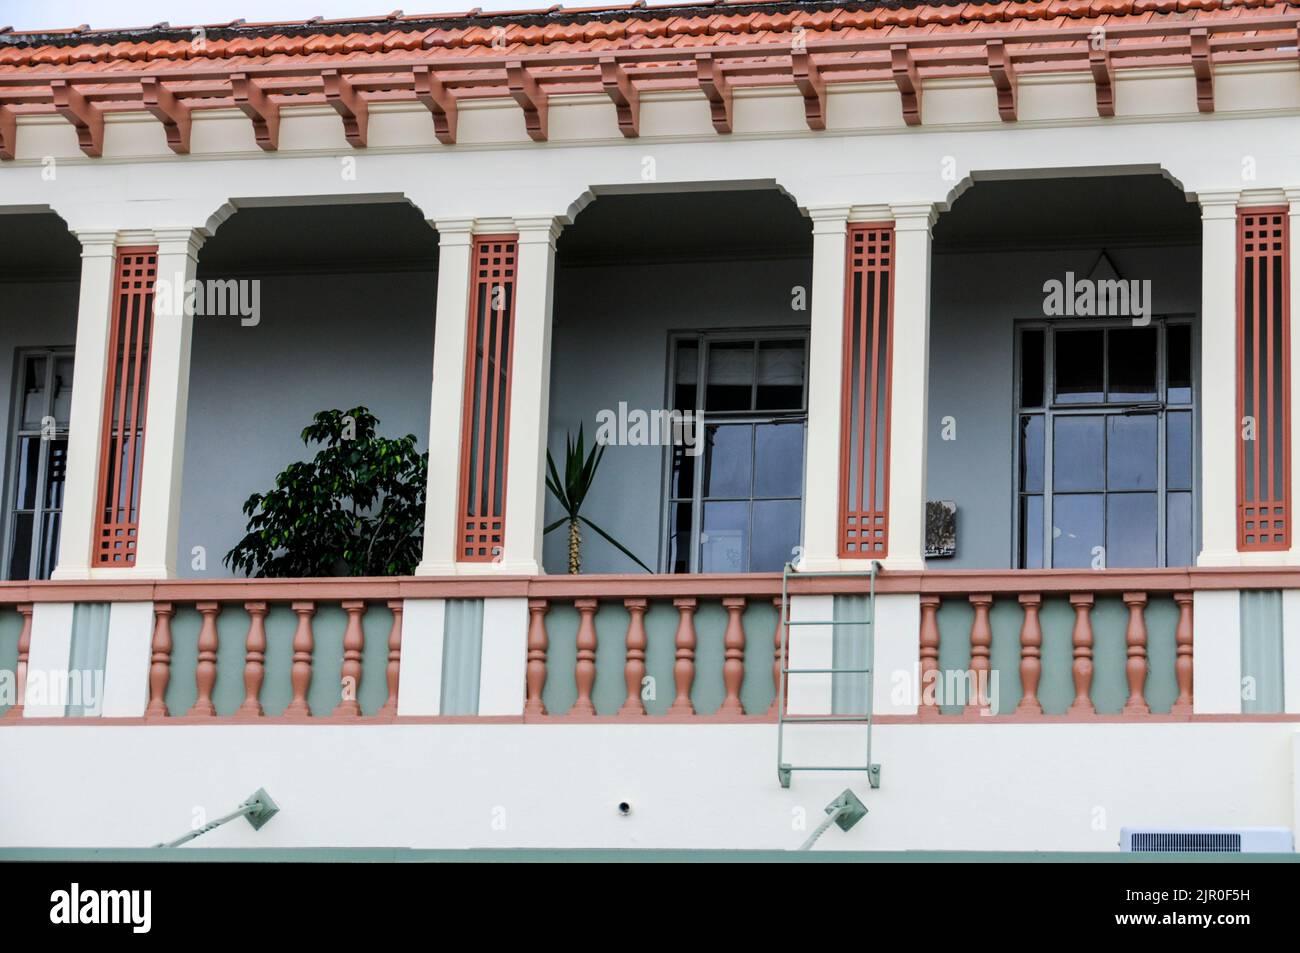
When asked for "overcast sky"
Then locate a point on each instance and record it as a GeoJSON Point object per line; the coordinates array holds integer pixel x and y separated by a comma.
{"type": "Point", "coordinates": [46, 14]}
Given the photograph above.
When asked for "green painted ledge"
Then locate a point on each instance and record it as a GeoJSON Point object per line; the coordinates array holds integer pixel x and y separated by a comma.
{"type": "Point", "coordinates": [605, 855]}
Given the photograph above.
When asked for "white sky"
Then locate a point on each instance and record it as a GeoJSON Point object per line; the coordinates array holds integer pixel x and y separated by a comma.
{"type": "Point", "coordinates": [47, 14]}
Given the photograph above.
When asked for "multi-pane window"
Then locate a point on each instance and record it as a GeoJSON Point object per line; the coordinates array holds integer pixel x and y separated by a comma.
{"type": "Point", "coordinates": [735, 499]}
{"type": "Point", "coordinates": [38, 453]}
{"type": "Point", "coordinates": [1105, 446]}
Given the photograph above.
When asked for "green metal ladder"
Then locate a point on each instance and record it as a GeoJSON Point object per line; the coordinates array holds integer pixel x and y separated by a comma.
{"type": "Point", "coordinates": [784, 770]}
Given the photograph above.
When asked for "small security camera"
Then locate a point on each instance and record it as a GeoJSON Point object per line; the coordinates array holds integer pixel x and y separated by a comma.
{"type": "Point", "coordinates": [624, 808]}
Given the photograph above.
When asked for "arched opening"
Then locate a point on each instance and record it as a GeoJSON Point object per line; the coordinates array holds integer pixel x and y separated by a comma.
{"type": "Point", "coordinates": [1063, 410]}
{"type": "Point", "coordinates": [680, 342]}
{"type": "Point", "coordinates": [40, 275]}
{"type": "Point", "coordinates": [333, 310]}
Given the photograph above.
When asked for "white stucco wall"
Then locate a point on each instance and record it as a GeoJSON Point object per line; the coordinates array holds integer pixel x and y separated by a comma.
{"type": "Point", "coordinates": [950, 787]}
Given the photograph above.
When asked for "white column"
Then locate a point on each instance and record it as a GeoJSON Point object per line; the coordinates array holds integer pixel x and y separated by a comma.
{"type": "Point", "coordinates": [87, 412]}
{"type": "Point", "coordinates": [446, 409]}
{"type": "Point", "coordinates": [166, 408]}
{"type": "Point", "coordinates": [910, 325]}
{"type": "Point", "coordinates": [530, 391]}
{"type": "Point", "coordinates": [1218, 379]}
{"type": "Point", "coordinates": [826, 357]}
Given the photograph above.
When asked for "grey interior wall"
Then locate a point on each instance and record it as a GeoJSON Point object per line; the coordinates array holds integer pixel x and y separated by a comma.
{"type": "Point", "coordinates": [976, 298]}
{"type": "Point", "coordinates": [611, 331]}
{"type": "Point", "coordinates": [324, 341]}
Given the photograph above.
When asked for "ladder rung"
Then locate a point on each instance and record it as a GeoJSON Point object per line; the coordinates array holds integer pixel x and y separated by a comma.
{"type": "Point", "coordinates": [824, 719]}
{"type": "Point", "coordinates": [827, 767]}
{"type": "Point", "coordinates": [826, 622]}
{"type": "Point", "coordinates": [825, 671]}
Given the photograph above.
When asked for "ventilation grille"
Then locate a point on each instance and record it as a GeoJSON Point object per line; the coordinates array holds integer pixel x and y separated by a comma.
{"type": "Point", "coordinates": [1186, 841]}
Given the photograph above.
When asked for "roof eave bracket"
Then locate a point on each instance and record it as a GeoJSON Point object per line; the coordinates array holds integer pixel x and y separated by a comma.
{"type": "Point", "coordinates": [437, 98]}
{"type": "Point", "coordinates": [257, 106]}
{"type": "Point", "coordinates": [174, 115]}
{"type": "Point", "coordinates": [1004, 77]}
{"type": "Point", "coordinates": [908, 80]}
{"type": "Point", "coordinates": [349, 104]}
{"type": "Point", "coordinates": [812, 86]}
{"type": "Point", "coordinates": [532, 99]}
{"type": "Point", "coordinates": [717, 90]}
{"type": "Point", "coordinates": [85, 117]}
{"type": "Point", "coordinates": [622, 92]}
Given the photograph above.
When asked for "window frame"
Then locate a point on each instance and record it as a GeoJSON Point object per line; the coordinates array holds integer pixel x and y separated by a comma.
{"type": "Point", "coordinates": [705, 339]}
{"type": "Point", "coordinates": [1050, 409]}
{"type": "Point", "coordinates": [52, 354]}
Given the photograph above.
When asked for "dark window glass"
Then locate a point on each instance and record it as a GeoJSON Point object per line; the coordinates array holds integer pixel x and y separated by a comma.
{"type": "Point", "coordinates": [56, 467]}
{"type": "Point", "coordinates": [1178, 350]}
{"type": "Point", "coordinates": [1078, 451]}
{"type": "Point", "coordinates": [1031, 368]}
{"type": "Point", "coordinates": [728, 460]}
{"type": "Point", "coordinates": [1178, 529]}
{"type": "Point", "coordinates": [1079, 366]}
{"type": "Point", "coordinates": [1178, 449]}
{"type": "Point", "coordinates": [1132, 364]}
{"type": "Point", "coordinates": [49, 555]}
{"type": "Point", "coordinates": [1131, 532]}
{"type": "Point", "coordinates": [1031, 532]}
{"type": "Point", "coordinates": [1031, 453]}
{"type": "Point", "coordinates": [688, 371]}
{"type": "Point", "coordinates": [34, 405]}
{"type": "Point", "coordinates": [1078, 528]}
{"type": "Point", "coordinates": [1132, 454]}
{"type": "Point", "coordinates": [776, 534]}
{"type": "Point", "coordinates": [730, 376]}
{"type": "Point", "coordinates": [682, 478]}
{"type": "Point", "coordinates": [679, 537]}
{"type": "Point", "coordinates": [780, 375]}
{"type": "Point", "coordinates": [724, 537]}
{"type": "Point", "coordinates": [20, 546]}
{"type": "Point", "coordinates": [778, 460]}
{"type": "Point", "coordinates": [27, 471]}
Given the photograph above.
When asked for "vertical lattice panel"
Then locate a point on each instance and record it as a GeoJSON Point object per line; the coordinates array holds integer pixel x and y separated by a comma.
{"type": "Point", "coordinates": [126, 390]}
{"type": "Point", "coordinates": [864, 425]}
{"type": "Point", "coordinates": [487, 398]}
{"type": "Point", "coordinates": [1263, 380]}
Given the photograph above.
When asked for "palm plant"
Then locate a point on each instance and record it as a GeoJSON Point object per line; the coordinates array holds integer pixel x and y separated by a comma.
{"type": "Point", "coordinates": [579, 473]}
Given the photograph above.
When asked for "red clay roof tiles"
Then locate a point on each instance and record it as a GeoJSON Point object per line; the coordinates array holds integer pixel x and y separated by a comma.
{"type": "Point", "coordinates": [562, 31]}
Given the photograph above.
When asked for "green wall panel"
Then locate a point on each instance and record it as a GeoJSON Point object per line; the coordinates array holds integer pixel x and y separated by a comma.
{"type": "Point", "coordinates": [757, 692]}
{"type": "Point", "coordinates": [707, 690]}
{"type": "Point", "coordinates": [611, 655]}
{"type": "Point", "coordinates": [1005, 618]}
{"type": "Point", "coordinates": [1162, 652]}
{"type": "Point", "coordinates": [1109, 654]}
{"type": "Point", "coordinates": [326, 689]}
{"type": "Point", "coordinates": [181, 690]}
{"type": "Point", "coordinates": [1055, 684]}
{"type": "Point", "coordinates": [561, 654]}
{"type": "Point", "coordinates": [955, 617]}
{"type": "Point", "coordinates": [1261, 652]}
{"type": "Point", "coordinates": [232, 641]}
{"type": "Point", "coordinates": [376, 623]}
{"type": "Point", "coordinates": [462, 656]}
{"type": "Point", "coordinates": [11, 626]}
{"type": "Point", "coordinates": [661, 630]}
{"type": "Point", "coordinates": [277, 689]}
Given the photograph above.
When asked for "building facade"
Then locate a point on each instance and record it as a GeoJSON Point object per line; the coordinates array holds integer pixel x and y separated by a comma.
{"type": "Point", "coordinates": [992, 297]}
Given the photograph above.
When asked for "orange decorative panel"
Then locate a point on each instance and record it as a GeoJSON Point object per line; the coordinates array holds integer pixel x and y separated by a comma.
{"type": "Point", "coordinates": [126, 389]}
{"type": "Point", "coordinates": [1263, 380]}
{"type": "Point", "coordinates": [482, 513]}
{"type": "Point", "coordinates": [864, 426]}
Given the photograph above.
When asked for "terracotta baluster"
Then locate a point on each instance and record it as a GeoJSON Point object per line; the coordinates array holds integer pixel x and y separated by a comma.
{"type": "Point", "coordinates": [930, 686]}
{"type": "Point", "coordinates": [160, 661]}
{"type": "Point", "coordinates": [394, 672]}
{"type": "Point", "coordinates": [20, 670]}
{"type": "Point", "coordinates": [354, 643]}
{"type": "Point", "coordinates": [586, 666]}
{"type": "Point", "coordinates": [634, 668]}
{"type": "Point", "coordinates": [777, 661]}
{"type": "Point", "coordinates": [684, 666]}
{"type": "Point", "coordinates": [1031, 653]}
{"type": "Point", "coordinates": [733, 666]}
{"type": "Point", "coordinates": [1183, 662]}
{"type": "Point", "coordinates": [304, 642]}
{"type": "Point", "coordinates": [205, 670]}
{"type": "Point", "coordinates": [537, 644]}
{"type": "Point", "coordinates": [981, 642]}
{"type": "Point", "coordinates": [1136, 666]}
{"type": "Point", "coordinates": [254, 660]}
{"type": "Point", "coordinates": [1082, 642]}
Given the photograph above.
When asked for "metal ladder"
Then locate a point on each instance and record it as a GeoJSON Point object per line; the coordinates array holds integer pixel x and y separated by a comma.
{"type": "Point", "coordinates": [784, 771]}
